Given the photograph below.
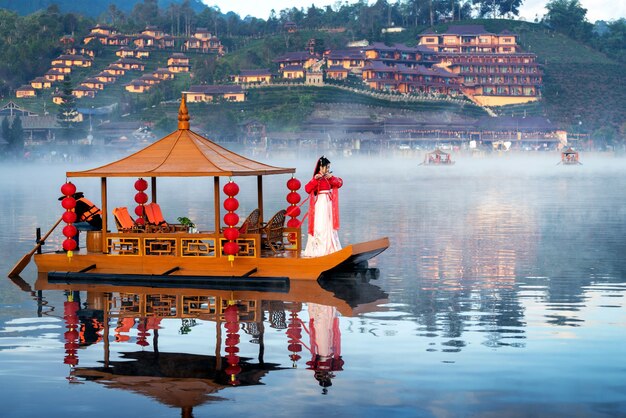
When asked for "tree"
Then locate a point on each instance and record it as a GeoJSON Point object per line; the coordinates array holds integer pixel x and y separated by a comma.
{"type": "Point", "coordinates": [569, 18]}
{"type": "Point", "coordinates": [67, 116]}
{"type": "Point", "coordinates": [17, 137]}
{"type": "Point", "coordinates": [6, 130]}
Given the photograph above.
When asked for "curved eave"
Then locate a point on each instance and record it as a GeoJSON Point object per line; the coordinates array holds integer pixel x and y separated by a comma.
{"type": "Point", "coordinates": [183, 153]}
{"type": "Point", "coordinates": [181, 174]}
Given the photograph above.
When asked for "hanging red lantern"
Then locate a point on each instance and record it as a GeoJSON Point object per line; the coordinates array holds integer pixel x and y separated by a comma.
{"type": "Point", "coordinates": [231, 248]}
{"type": "Point", "coordinates": [69, 217]}
{"type": "Point", "coordinates": [231, 189]}
{"type": "Point", "coordinates": [231, 233]}
{"type": "Point", "coordinates": [231, 204]}
{"type": "Point", "coordinates": [231, 315]}
{"type": "Point", "coordinates": [69, 230]}
{"type": "Point", "coordinates": [68, 203]}
{"type": "Point", "coordinates": [68, 189]}
{"type": "Point", "coordinates": [69, 245]}
{"type": "Point", "coordinates": [141, 198]}
{"type": "Point", "coordinates": [141, 185]}
{"type": "Point", "coordinates": [231, 219]}
{"type": "Point", "coordinates": [293, 198]}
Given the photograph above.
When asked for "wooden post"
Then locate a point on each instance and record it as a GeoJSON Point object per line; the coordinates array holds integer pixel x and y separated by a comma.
{"type": "Point", "coordinates": [259, 186]}
{"type": "Point", "coordinates": [216, 199]}
{"type": "Point", "coordinates": [103, 191]}
{"type": "Point", "coordinates": [153, 189]}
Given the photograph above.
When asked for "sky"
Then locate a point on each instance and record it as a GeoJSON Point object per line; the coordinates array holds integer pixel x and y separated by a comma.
{"type": "Point", "coordinates": [596, 9]}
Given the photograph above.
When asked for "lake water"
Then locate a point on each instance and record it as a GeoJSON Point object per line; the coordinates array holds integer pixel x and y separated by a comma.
{"type": "Point", "coordinates": [502, 295]}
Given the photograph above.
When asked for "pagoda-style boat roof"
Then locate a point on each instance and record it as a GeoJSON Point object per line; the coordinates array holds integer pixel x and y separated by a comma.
{"type": "Point", "coordinates": [183, 153]}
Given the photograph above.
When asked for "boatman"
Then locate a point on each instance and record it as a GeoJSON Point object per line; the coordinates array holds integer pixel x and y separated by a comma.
{"type": "Point", "coordinates": [88, 216]}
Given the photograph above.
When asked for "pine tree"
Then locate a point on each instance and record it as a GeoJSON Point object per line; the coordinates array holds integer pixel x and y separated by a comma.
{"type": "Point", "coordinates": [68, 114]}
{"type": "Point", "coordinates": [17, 137]}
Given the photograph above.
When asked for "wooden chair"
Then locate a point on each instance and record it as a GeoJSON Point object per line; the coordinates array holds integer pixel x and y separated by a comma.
{"type": "Point", "coordinates": [272, 232]}
{"type": "Point", "coordinates": [156, 222]}
{"type": "Point", "coordinates": [252, 224]}
{"type": "Point", "coordinates": [125, 222]}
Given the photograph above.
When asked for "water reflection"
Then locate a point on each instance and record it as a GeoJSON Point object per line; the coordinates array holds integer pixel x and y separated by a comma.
{"type": "Point", "coordinates": [124, 323]}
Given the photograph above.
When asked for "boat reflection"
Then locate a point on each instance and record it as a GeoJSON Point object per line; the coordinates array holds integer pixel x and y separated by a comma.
{"type": "Point", "coordinates": [126, 321]}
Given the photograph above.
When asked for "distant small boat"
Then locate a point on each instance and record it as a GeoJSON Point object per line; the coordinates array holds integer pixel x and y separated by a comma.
{"type": "Point", "coordinates": [569, 157]}
{"type": "Point", "coordinates": [437, 157]}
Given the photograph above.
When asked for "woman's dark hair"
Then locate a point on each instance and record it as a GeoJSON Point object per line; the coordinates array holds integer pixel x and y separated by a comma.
{"type": "Point", "coordinates": [322, 162]}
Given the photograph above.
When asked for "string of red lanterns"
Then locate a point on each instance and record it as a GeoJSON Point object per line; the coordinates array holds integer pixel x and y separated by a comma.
{"type": "Point", "coordinates": [293, 198]}
{"type": "Point", "coordinates": [69, 217]}
{"type": "Point", "coordinates": [231, 314]}
{"type": "Point", "coordinates": [141, 198]}
{"type": "Point", "coordinates": [231, 204]}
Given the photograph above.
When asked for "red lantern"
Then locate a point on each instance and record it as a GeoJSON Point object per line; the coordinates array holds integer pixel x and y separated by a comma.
{"type": "Point", "coordinates": [231, 248]}
{"type": "Point", "coordinates": [139, 210]}
{"type": "Point", "coordinates": [140, 221]}
{"type": "Point", "coordinates": [293, 198]}
{"type": "Point", "coordinates": [231, 219]}
{"type": "Point", "coordinates": [231, 233]}
{"type": "Point", "coordinates": [141, 185]}
{"type": "Point", "coordinates": [294, 212]}
{"type": "Point", "coordinates": [231, 204]}
{"type": "Point", "coordinates": [141, 198]}
{"type": "Point", "coordinates": [69, 230]}
{"type": "Point", "coordinates": [69, 217]}
{"type": "Point", "coordinates": [68, 189]}
{"type": "Point", "coordinates": [293, 184]}
{"type": "Point", "coordinates": [231, 189]}
{"type": "Point", "coordinates": [69, 244]}
{"type": "Point", "coordinates": [68, 203]}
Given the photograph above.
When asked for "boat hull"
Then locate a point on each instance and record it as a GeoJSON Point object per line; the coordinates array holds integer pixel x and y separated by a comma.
{"type": "Point", "coordinates": [163, 267]}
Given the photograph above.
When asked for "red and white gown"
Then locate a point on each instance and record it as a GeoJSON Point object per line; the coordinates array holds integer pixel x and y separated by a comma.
{"type": "Point", "coordinates": [322, 236]}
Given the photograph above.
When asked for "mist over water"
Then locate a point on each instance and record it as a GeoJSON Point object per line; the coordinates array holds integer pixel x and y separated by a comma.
{"type": "Point", "coordinates": [505, 284]}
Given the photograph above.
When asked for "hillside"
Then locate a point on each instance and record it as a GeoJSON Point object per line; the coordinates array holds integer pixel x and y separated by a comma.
{"type": "Point", "coordinates": [582, 87]}
{"type": "Point", "coordinates": [92, 8]}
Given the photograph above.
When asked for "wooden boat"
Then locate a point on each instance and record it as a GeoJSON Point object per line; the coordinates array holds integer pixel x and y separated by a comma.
{"type": "Point", "coordinates": [437, 157]}
{"type": "Point", "coordinates": [570, 157]}
{"type": "Point", "coordinates": [166, 255]}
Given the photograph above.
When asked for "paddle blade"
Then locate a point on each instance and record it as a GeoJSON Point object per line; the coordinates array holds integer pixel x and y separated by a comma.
{"type": "Point", "coordinates": [17, 269]}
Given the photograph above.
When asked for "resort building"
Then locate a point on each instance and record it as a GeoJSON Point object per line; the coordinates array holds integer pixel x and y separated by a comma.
{"type": "Point", "coordinates": [178, 63]}
{"type": "Point", "coordinates": [25, 91]}
{"type": "Point", "coordinates": [411, 80]}
{"type": "Point", "coordinates": [40, 83]}
{"type": "Point", "coordinates": [203, 41]}
{"type": "Point", "coordinates": [253, 76]}
{"type": "Point", "coordinates": [82, 91]}
{"type": "Point", "coordinates": [138, 86]}
{"type": "Point", "coordinates": [298, 58]}
{"type": "Point", "coordinates": [72, 61]}
{"type": "Point", "coordinates": [350, 59]}
{"type": "Point", "coordinates": [163, 74]}
{"type": "Point", "coordinates": [492, 69]}
{"type": "Point", "coordinates": [210, 93]}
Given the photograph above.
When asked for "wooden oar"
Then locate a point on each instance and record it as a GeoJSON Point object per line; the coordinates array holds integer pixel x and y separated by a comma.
{"type": "Point", "coordinates": [26, 259]}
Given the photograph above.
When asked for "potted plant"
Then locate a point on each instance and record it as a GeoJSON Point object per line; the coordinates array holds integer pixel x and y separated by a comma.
{"type": "Point", "coordinates": [186, 222]}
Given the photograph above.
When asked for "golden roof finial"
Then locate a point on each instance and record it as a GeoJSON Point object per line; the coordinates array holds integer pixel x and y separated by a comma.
{"type": "Point", "coordinates": [183, 114]}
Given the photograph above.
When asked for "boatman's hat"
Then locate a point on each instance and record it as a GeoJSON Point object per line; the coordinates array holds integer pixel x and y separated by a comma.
{"type": "Point", "coordinates": [76, 195]}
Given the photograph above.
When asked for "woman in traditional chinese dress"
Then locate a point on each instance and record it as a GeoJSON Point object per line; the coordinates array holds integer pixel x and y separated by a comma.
{"type": "Point", "coordinates": [323, 215]}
